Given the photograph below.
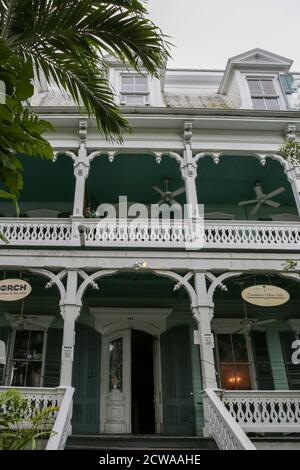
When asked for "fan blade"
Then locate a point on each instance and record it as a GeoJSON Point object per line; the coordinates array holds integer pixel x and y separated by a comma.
{"type": "Point", "coordinates": [257, 328]}
{"type": "Point", "coordinates": [158, 190]}
{"type": "Point", "coordinates": [172, 201]}
{"type": "Point", "coordinates": [178, 191]}
{"type": "Point", "coordinates": [275, 192]}
{"type": "Point", "coordinates": [258, 190]}
{"type": "Point", "coordinates": [256, 208]}
{"type": "Point", "coordinates": [265, 322]}
{"type": "Point", "coordinates": [272, 203]}
{"type": "Point", "coordinates": [243, 329]}
{"type": "Point", "coordinates": [244, 203]}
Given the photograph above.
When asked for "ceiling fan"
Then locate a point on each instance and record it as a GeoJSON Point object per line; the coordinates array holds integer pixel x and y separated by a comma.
{"type": "Point", "coordinates": [262, 198]}
{"type": "Point", "coordinates": [167, 195]}
{"type": "Point", "coordinates": [249, 324]}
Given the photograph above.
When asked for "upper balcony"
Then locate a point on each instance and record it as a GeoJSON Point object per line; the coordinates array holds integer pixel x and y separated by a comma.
{"type": "Point", "coordinates": [48, 205]}
{"type": "Point", "coordinates": [150, 234]}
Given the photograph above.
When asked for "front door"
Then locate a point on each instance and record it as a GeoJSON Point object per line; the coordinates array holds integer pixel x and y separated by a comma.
{"type": "Point", "coordinates": [127, 383]}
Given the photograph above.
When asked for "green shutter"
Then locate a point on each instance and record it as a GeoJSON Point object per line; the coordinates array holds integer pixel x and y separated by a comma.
{"type": "Point", "coordinates": [177, 386]}
{"type": "Point", "coordinates": [263, 368]}
{"type": "Point", "coordinates": [4, 336]}
{"type": "Point", "coordinates": [53, 357]}
{"type": "Point", "coordinates": [292, 370]}
{"type": "Point", "coordinates": [86, 380]}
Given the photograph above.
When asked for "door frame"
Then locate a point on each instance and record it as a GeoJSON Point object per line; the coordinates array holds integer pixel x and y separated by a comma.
{"type": "Point", "coordinates": [111, 322]}
{"type": "Point", "coordinates": [125, 334]}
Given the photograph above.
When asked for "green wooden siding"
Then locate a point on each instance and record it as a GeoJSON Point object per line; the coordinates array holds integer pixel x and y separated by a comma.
{"type": "Point", "coordinates": [292, 370]}
{"type": "Point", "coordinates": [277, 360]}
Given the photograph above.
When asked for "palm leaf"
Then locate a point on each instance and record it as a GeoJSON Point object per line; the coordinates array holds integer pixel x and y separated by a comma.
{"type": "Point", "coordinates": [68, 41]}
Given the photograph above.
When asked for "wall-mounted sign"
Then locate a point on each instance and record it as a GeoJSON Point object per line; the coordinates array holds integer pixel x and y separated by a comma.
{"type": "Point", "coordinates": [265, 295]}
{"type": "Point", "coordinates": [14, 289]}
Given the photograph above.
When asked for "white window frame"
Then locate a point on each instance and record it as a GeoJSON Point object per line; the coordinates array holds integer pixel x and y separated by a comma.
{"type": "Point", "coordinates": [246, 94]}
{"type": "Point", "coordinates": [12, 338]}
{"type": "Point", "coordinates": [145, 94]}
{"type": "Point", "coordinates": [250, 362]}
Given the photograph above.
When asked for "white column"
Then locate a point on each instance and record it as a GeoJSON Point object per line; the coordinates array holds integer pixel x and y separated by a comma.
{"type": "Point", "coordinates": [81, 171]}
{"type": "Point", "coordinates": [70, 314]}
{"type": "Point", "coordinates": [70, 311]}
{"type": "Point", "coordinates": [203, 314]}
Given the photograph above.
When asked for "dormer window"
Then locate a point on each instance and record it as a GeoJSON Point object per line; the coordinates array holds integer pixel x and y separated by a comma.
{"type": "Point", "coordinates": [263, 93]}
{"type": "Point", "coordinates": [134, 90]}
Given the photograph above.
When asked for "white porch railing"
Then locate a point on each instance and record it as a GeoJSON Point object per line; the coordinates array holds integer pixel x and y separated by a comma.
{"type": "Point", "coordinates": [221, 426]}
{"type": "Point", "coordinates": [264, 411]}
{"type": "Point", "coordinates": [41, 398]}
{"type": "Point", "coordinates": [62, 425]}
{"type": "Point", "coordinates": [229, 235]}
{"type": "Point", "coordinates": [37, 232]}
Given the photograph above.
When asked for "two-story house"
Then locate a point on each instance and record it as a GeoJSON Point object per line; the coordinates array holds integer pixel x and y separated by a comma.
{"type": "Point", "coordinates": [160, 334]}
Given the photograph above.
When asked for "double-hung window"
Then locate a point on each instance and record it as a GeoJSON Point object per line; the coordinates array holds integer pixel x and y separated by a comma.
{"type": "Point", "coordinates": [263, 93]}
{"type": "Point", "coordinates": [134, 90]}
{"type": "Point", "coordinates": [233, 362]}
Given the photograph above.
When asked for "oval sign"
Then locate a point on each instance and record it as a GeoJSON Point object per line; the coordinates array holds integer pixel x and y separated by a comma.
{"type": "Point", "coordinates": [14, 289]}
{"type": "Point", "coordinates": [265, 295]}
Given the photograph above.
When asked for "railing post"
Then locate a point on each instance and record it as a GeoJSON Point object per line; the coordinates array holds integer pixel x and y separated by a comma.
{"type": "Point", "coordinates": [189, 173]}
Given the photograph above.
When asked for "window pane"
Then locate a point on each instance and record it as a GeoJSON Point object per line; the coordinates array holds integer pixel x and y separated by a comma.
{"type": "Point", "coordinates": [272, 103]}
{"type": "Point", "coordinates": [225, 349]}
{"type": "Point", "coordinates": [27, 373]}
{"type": "Point", "coordinates": [116, 364]}
{"type": "Point", "coordinates": [242, 374]}
{"type": "Point", "coordinates": [128, 84]}
{"type": "Point", "coordinates": [258, 103]}
{"type": "Point", "coordinates": [141, 84]}
{"type": "Point", "coordinates": [239, 348]}
{"type": "Point", "coordinates": [133, 99]}
{"type": "Point", "coordinates": [21, 349]}
{"type": "Point", "coordinates": [255, 87]}
{"type": "Point", "coordinates": [268, 87]}
{"type": "Point", "coordinates": [36, 344]}
{"type": "Point", "coordinates": [235, 377]}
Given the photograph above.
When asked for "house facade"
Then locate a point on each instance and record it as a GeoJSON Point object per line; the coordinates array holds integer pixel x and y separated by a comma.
{"type": "Point", "coordinates": [167, 324]}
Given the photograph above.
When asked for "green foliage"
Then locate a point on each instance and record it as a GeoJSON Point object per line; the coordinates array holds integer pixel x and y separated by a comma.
{"type": "Point", "coordinates": [289, 265]}
{"type": "Point", "coordinates": [291, 149]}
{"type": "Point", "coordinates": [68, 40]}
{"type": "Point", "coordinates": [20, 129]}
{"type": "Point", "coordinates": [17, 431]}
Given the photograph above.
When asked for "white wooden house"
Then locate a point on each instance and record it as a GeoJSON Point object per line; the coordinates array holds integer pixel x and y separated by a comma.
{"type": "Point", "coordinates": [149, 328]}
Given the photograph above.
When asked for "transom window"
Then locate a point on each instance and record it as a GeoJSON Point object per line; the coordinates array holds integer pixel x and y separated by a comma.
{"type": "Point", "coordinates": [134, 90]}
{"type": "Point", "coordinates": [263, 93]}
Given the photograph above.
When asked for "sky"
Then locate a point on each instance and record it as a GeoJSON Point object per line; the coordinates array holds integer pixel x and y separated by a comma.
{"type": "Point", "coordinates": [206, 33]}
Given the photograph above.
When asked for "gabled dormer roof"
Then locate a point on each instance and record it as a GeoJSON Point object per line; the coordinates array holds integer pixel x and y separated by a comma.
{"type": "Point", "coordinates": [254, 60]}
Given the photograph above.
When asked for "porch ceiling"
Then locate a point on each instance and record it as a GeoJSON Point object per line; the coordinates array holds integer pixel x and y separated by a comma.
{"type": "Point", "coordinates": [234, 178]}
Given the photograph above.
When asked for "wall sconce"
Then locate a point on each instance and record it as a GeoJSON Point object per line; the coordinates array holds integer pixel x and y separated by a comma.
{"type": "Point", "coordinates": [140, 265]}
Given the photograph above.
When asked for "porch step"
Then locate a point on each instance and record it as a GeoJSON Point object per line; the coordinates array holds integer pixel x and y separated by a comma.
{"type": "Point", "coordinates": [131, 442]}
{"type": "Point", "coordinates": [277, 442]}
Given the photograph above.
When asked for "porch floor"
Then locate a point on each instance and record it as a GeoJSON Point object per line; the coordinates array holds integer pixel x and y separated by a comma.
{"type": "Point", "coordinates": [132, 442]}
